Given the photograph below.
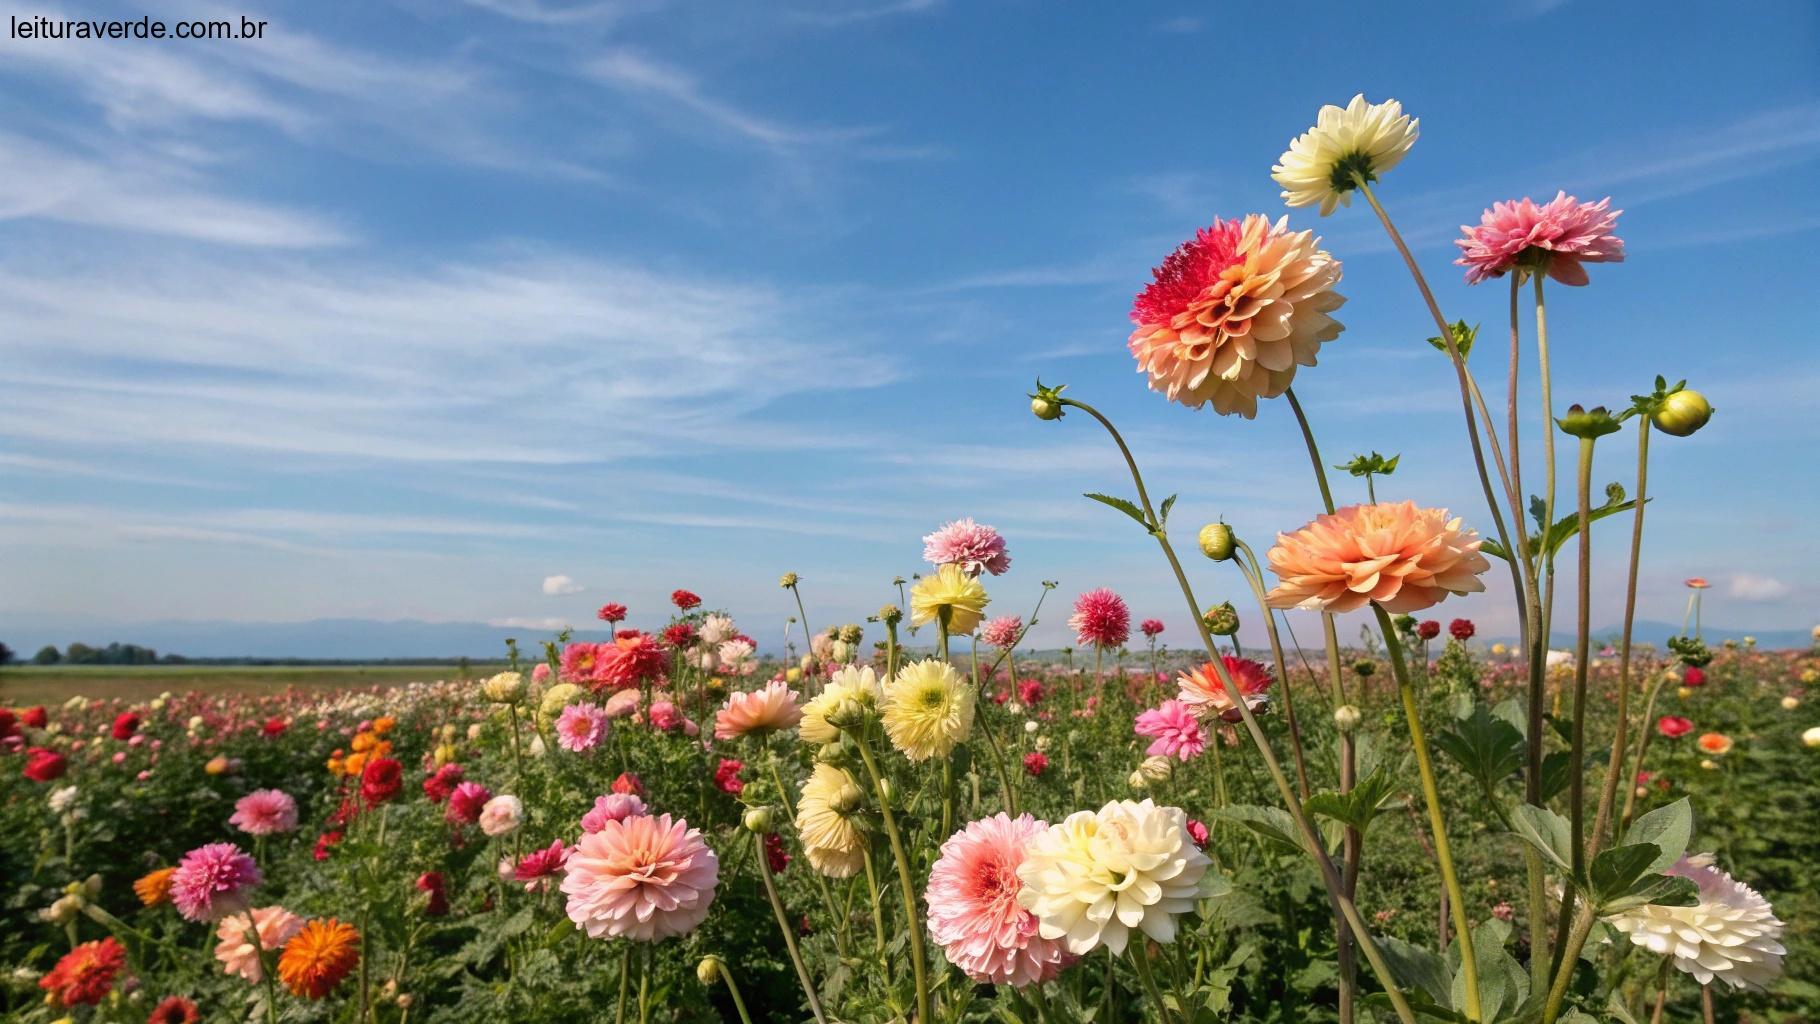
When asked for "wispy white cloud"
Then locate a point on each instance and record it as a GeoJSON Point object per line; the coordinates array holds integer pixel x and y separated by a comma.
{"type": "Point", "coordinates": [641, 74]}
{"type": "Point", "coordinates": [1746, 586]}
{"type": "Point", "coordinates": [559, 586]}
{"type": "Point", "coordinates": [841, 13]}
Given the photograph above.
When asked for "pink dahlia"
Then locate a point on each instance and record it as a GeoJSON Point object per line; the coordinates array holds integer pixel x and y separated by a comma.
{"type": "Point", "coordinates": [1151, 628]}
{"type": "Point", "coordinates": [1554, 238]}
{"type": "Point", "coordinates": [1100, 619]}
{"type": "Point", "coordinates": [579, 661]}
{"type": "Point", "coordinates": [265, 812]}
{"type": "Point", "coordinates": [757, 712]}
{"type": "Point", "coordinates": [973, 910]}
{"type": "Point", "coordinates": [1233, 312]}
{"type": "Point", "coordinates": [611, 807]}
{"type": "Point", "coordinates": [236, 951]}
{"type": "Point", "coordinates": [466, 801]}
{"type": "Point", "coordinates": [642, 878]}
{"type": "Point", "coordinates": [537, 868]}
{"type": "Point", "coordinates": [1174, 729]}
{"type": "Point", "coordinates": [580, 727]}
{"type": "Point", "coordinates": [1201, 690]}
{"type": "Point", "coordinates": [1002, 632]}
{"type": "Point", "coordinates": [973, 547]}
{"type": "Point", "coordinates": [632, 659]}
{"type": "Point", "coordinates": [213, 881]}
{"type": "Point", "coordinates": [612, 612]}
{"type": "Point", "coordinates": [1399, 556]}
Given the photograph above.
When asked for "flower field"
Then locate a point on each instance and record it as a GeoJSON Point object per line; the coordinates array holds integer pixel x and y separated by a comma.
{"type": "Point", "coordinates": [914, 816]}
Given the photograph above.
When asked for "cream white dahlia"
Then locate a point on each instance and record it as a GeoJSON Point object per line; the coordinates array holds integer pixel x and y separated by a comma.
{"type": "Point", "coordinates": [1361, 138]}
{"type": "Point", "coordinates": [1096, 875]}
{"type": "Point", "coordinates": [1730, 935]}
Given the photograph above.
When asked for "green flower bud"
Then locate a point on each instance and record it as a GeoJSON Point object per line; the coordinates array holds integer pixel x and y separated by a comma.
{"type": "Point", "coordinates": [1364, 668]}
{"type": "Point", "coordinates": [1217, 541]}
{"type": "Point", "coordinates": [1156, 769]}
{"type": "Point", "coordinates": [1046, 403]}
{"type": "Point", "coordinates": [848, 715]}
{"type": "Point", "coordinates": [1682, 413]}
{"type": "Point", "coordinates": [760, 820]}
{"type": "Point", "coordinates": [890, 615]}
{"type": "Point", "coordinates": [1587, 424]}
{"type": "Point", "coordinates": [1222, 619]}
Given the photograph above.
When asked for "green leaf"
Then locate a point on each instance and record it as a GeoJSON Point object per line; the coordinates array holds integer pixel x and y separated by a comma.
{"type": "Point", "coordinates": [1273, 823]}
{"type": "Point", "coordinates": [1568, 527]}
{"type": "Point", "coordinates": [1488, 747]}
{"type": "Point", "coordinates": [1615, 871]}
{"type": "Point", "coordinates": [1123, 506]}
{"type": "Point", "coordinates": [1491, 547]}
{"type": "Point", "coordinates": [1162, 513]}
{"type": "Point", "coordinates": [1416, 967]}
{"type": "Point", "coordinates": [1557, 772]}
{"type": "Point", "coordinates": [1502, 981]}
{"type": "Point", "coordinates": [1670, 828]}
{"type": "Point", "coordinates": [1547, 831]}
{"type": "Point", "coordinates": [1661, 890]}
{"type": "Point", "coordinates": [1359, 807]}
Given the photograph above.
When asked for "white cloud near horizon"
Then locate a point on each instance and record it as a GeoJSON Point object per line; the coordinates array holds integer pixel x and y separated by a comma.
{"type": "Point", "coordinates": [1746, 586]}
{"type": "Point", "coordinates": [560, 586]}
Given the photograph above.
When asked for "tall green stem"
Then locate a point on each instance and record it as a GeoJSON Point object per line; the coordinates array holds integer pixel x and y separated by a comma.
{"type": "Point", "coordinates": [918, 964]}
{"type": "Point", "coordinates": [1615, 769]}
{"type": "Point", "coordinates": [1311, 839]}
{"type": "Point", "coordinates": [1576, 772]}
{"type": "Point", "coordinates": [783, 925]}
{"type": "Point", "coordinates": [1548, 455]}
{"type": "Point", "coordinates": [1570, 955]}
{"type": "Point", "coordinates": [1431, 794]}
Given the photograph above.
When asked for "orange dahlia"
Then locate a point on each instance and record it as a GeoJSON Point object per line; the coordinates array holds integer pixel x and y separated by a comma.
{"type": "Point", "coordinates": [155, 888]}
{"type": "Point", "coordinates": [1233, 312]}
{"type": "Point", "coordinates": [1715, 743]}
{"type": "Point", "coordinates": [1398, 556]}
{"type": "Point", "coordinates": [316, 959]}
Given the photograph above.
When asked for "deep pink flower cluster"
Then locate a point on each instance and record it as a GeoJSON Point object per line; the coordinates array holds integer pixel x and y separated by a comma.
{"type": "Point", "coordinates": [1100, 619]}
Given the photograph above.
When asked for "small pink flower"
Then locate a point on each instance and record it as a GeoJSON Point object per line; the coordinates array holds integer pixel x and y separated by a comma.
{"type": "Point", "coordinates": [664, 717]}
{"type": "Point", "coordinates": [1175, 730]}
{"type": "Point", "coordinates": [1101, 619]}
{"type": "Point", "coordinates": [580, 727]}
{"type": "Point", "coordinates": [973, 547]}
{"type": "Point", "coordinates": [539, 867]}
{"type": "Point", "coordinates": [213, 881]}
{"type": "Point", "coordinates": [1151, 627]}
{"type": "Point", "coordinates": [611, 807]}
{"type": "Point", "coordinates": [236, 951]}
{"type": "Point", "coordinates": [623, 703]}
{"type": "Point", "coordinates": [1002, 632]}
{"type": "Point", "coordinates": [541, 674]}
{"type": "Point", "coordinates": [1197, 831]}
{"type": "Point", "coordinates": [1554, 238]}
{"type": "Point", "coordinates": [466, 801]}
{"type": "Point", "coordinates": [265, 812]}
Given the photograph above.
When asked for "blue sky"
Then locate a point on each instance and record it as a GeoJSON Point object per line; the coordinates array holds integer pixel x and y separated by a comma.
{"type": "Point", "coordinates": [411, 305]}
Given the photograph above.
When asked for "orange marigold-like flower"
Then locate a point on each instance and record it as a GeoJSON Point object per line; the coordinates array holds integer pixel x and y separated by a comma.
{"type": "Point", "coordinates": [1233, 312]}
{"type": "Point", "coordinates": [1715, 742]}
{"type": "Point", "coordinates": [85, 975]}
{"type": "Point", "coordinates": [317, 958]}
{"type": "Point", "coordinates": [1399, 556]}
{"type": "Point", "coordinates": [384, 724]}
{"type": "Point", "coordinates": [155, 888]}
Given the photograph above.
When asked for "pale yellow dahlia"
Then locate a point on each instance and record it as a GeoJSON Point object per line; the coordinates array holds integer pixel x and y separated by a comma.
{"type": "Point", "coordinates": [1396, 555]}
{"type": "Point", "coordinates": [858, 683]}
{"type": "Point", "coordinates": [1094, 877]}
{"type": "Point", "coordinates": [1730, 935]}
{"type": "Point", "coordinates": [1362, 139]}
{"type": "Point", "coordinates": [948, 587]}
{"type": "Point", "coordinates": [1232, 313]}
{"type": "Point", "coordinates": [824, 821]}
{"type": "Point", "coordinates": [928, 708]}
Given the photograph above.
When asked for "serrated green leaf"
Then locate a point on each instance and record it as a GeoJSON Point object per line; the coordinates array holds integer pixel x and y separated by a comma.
{"type": "Point", "coordinates": [1123, 506]}
{"type": "Point", "coordinates": [1273, 823]}
{"type": "Point", "coordinates": [1162, 512]}
{"type": "Point", "coordinates": [1671, 828]}
{"type": "Point", "coordinates": [1487, 747]}
{"type": "Point", "coordinates": [1615, 871]}
{"type": "Point", "coordinates": [1547, 831]}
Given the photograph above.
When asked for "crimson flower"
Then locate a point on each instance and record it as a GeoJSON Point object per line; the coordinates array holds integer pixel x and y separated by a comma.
{"type": "Point", "coordinates": [684, 600]}
{"type": "Point", "coordinates": [125, 725]}
{"type": "Point", "coordinates": [1036, 763]}
{"type": "Point", "coordinates": [381, 780]}
{"type": "Point", "coordinates": [612, 613]}
{"type": "Point", "coordinates": [43, 764]}
{"type": "Point", "coordinates": [1428, 629]}
{"type": "Point", "coordinates": [1674, 726]}
{"type": "Point", "coordinates": [1461, 629]}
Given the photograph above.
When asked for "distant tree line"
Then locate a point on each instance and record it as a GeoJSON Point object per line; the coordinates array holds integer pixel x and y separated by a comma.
{"type": "Point", "coordinates": [113, 654]}
{"type": "Point", "coordinates": [134, 654]}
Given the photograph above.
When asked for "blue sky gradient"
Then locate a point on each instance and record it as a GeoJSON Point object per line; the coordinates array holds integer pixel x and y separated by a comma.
{"type": "Point", "coordinates": [411, 305]}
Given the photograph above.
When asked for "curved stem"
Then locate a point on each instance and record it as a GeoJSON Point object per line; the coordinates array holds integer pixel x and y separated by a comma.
{"type": "Point", "coordinates": [1431, 794]}
{"type": "Point", "coordinates": [918, 965]}
{"type": "Point", "coordinates": [783, 925]}
{"type": "Point", "coordinates": [733, 990]}
{"type": "Point", "coordinates": [1311, 839]}
{"type": "Point", "coordinates": [1142, 960]}
{"type": "Point", "coordinates": [1615, 769]}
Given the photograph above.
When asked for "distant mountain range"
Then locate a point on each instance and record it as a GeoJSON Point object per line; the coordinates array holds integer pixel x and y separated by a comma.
{"type": "Point", "coordinates": [403, 639]}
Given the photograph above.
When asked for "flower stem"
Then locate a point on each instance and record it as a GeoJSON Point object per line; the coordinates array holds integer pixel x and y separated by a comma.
{"type": "Point", "coordinates": [917, 963]}
{"type": "Point", "coordinates": [266, 970]}
{"type": "Point", "coordinates": [1615, 769]}
{"type": "Point", "coordinates": [1142, 961]}
{"type": "Point", "coordinates": [1311, 839]}
{"type": "Point", "coordinates": [625, 983]}
{"type": "Point", "coordinates": [1570, 955]}
{"type": "Point", "coordinates": [1431, 793]}
{"type": "Point", "coordinates": [783, 925]}
{"type": "Point", "coordinates": [739, 1004]}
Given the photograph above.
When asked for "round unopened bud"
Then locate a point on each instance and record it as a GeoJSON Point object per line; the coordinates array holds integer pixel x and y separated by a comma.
{"type": "Point", "coordinates": [793, 675]}
{"type": "Point", "coordinates": [1346, 717]}
{"type": "Point", "coordinates": [1044, 409]}
{"type": "Point", "coordinates": [504, 688]}
{"type": "Point", "coordinates": [1137, 780]}
{"type": "Point", "coordinates": [1222, 619]}
{"type": "Point", "coordinates": [847, 800]}
{"type": "Point", "coordinates": [708, 970]}
{"type": "Point", "coordinates": [1790, 702]}
{"type": "Point", "coordinates": [1811, 738]}
{"type": "Point", "coordinates": [1364, 668]}
{"type": "Point", "coordinates": [1157, 768]}
{"type": "Point", "coordinates": [760, 820]}
{"type": "Point", "coordinates": [1217, 541]}
{"type": "Point", "coordinates": [852, 633]}
{"type": "Point", "coordinates": [1682, 413]}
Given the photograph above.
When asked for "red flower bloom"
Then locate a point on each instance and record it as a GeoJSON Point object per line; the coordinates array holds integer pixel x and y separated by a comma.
{"type": "Point", "coordinates": [325, 842]}
{"type": "Point", "coordinates": [1696, 676]}
{"type": "Point", "coordinates": [684, 600]}
{"type": "Point", "coordinates": [628, 785]}
{"type": "Point", "coordinates": [1151, 627]}
{"type": "Point", "coordinates": [1673, 726]}
{"type": "Point", "coordinates": [1428, 629]}
{"type": "Point", "coordinates": [438, 786]}
{"type": "Point", "coordinates": [85, 975]}
{"type": "Point", "coordinates": [679, 634]}
{"type": "Point", "coordinates": [466, 801]}
{"type": "Point", "coordinates": [542, 863]}
{"type": "Point", "coordinates": [726, 777]}
{"type": "Point", "coordinates": [174, 1010]}
{"type": "Point", "coordinates": [612, 613]}
{"type": "Point", "coordinates": [775, 854]}
{"type": "Point", "coordinates": [9, 724]}
{"type": "Point", "coordinates": [1031, 692]}
{"type": "Point", "coordinates": [274, 727]}
{"type": "Point", "coordinates": [43, 764]}
{"type": "Point", "coordinates": [1036, 763]}
{"type": "Point", "coordinates": [34, 718]}
{"type": "Point", "coordinates": [381, 780]}
{"type": "Point", "coordinates": [1461, 629]}
{"type": "Point", "coordinates": [632, 659]}
{"type": "Point", "coordinates": [431, 882]}
{"type": "Point", "coordinates": [1197, 831]}
{"type": "Point", "coordinates": [125, 725]}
